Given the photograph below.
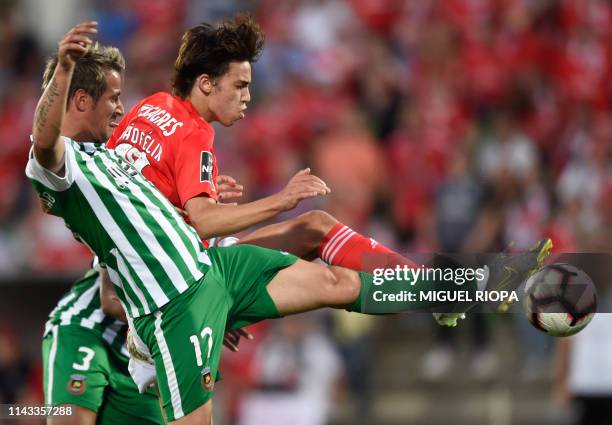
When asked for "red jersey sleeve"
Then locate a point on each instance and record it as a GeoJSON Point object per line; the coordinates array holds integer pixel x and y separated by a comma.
{"type": "Point", "coordinates": [195, 166]}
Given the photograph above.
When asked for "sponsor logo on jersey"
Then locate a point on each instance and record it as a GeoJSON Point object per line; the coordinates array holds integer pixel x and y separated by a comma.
{"type": "Point", "coordinates": [208, 383]}
{"type": "Point", "coordinates": [77, 385]}
{"type": "Point", "coordinates": [206, 168]}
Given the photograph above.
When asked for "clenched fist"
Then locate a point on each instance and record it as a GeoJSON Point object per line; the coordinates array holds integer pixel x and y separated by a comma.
{"type": "Point", "coordinates": [75, 43]}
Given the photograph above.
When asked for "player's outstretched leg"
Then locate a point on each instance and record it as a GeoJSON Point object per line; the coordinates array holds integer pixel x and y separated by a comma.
{"type": "Point", "coordinates": [319, 234]}
{"type": "Point", "coordinates": [306, 286]}
{"type": "Point", "coordinates": [300, 236]}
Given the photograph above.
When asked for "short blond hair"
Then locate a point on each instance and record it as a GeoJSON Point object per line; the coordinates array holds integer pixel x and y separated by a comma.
{"type": "Point", "coordinates": [90, 70]}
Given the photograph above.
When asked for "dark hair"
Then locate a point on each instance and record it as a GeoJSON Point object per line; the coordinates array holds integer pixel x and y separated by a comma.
{"type": "Point", "coordinates": [90, 70]}
{"type": "Point", "coordinates": [209, 50]}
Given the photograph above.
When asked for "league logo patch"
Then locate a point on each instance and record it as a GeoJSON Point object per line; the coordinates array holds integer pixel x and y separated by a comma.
{"type": "Point", "coordinates": [77, 385]}
{"type": "Point", "coordinates": [208, 383]}
{"type": "Point", "coordinates": [206, 167]}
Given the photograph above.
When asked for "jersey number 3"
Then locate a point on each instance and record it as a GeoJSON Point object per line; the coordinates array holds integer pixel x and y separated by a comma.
{"type": "Point", "coordinates": [86, 362]}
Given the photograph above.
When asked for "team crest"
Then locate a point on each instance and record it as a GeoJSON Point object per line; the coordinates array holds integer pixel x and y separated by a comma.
{"type": "Point", "coordinates": [77, 384]}
{"type": "Point", "coordinates": [208, 383]}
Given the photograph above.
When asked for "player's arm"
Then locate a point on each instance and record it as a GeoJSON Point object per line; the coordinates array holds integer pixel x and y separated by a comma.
{"type": "Point", "coordinates": [111, 306]}
{"type": "Point", "coordinates": [49, 115]}
{"type": "Point", "coordinates": [212, 219]}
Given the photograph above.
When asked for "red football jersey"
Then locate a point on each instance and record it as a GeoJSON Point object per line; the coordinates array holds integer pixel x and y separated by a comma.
{"type": "Point", "coordinates": [166, 139]}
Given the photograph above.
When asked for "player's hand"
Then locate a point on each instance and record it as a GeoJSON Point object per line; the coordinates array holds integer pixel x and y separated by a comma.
{"type": "Point", "coordinates": [231, 339]}
{"type": "Point", "coordinates": [301, 186]}
{"type": "Point", "coordinates": [228, 188]}
{"type": "Point", "coordinates": [75, 43]}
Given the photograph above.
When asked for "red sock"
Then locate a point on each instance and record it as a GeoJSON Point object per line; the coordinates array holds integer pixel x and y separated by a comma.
{"type": "Point", "coordinates": [344, 247]}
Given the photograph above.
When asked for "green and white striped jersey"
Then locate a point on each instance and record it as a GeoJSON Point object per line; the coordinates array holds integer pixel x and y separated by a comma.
{"type": "Point", "coordinates": [81, 307]}
{"type": "Point", "coordinates": [148, 249]}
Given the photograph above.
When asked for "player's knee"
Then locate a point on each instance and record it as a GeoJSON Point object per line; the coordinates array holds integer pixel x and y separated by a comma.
{"type": "Point", "coordinates": [318, 221]}
{"type": "Point", "coordinates": [345, 286]}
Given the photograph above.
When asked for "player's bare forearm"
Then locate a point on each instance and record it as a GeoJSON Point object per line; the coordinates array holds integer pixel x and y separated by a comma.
{"type": "Point", "coordinates": [48, 120]}
{"type": "Point", "coordinates": [211, 219]}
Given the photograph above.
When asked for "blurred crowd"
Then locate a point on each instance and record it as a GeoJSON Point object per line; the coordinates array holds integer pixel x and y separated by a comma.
{"type": "Point", "coordinates": [453, 125]}
{"type": "Point", "coordinates": [440, 125]}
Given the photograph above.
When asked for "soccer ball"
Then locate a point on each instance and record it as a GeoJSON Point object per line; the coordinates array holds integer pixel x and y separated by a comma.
{"type": "Point", "coordinates": [560, 300]}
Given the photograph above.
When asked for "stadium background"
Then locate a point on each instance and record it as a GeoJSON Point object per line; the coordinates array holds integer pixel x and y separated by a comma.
{"type": "Point", "coordinates": [440, 125]}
